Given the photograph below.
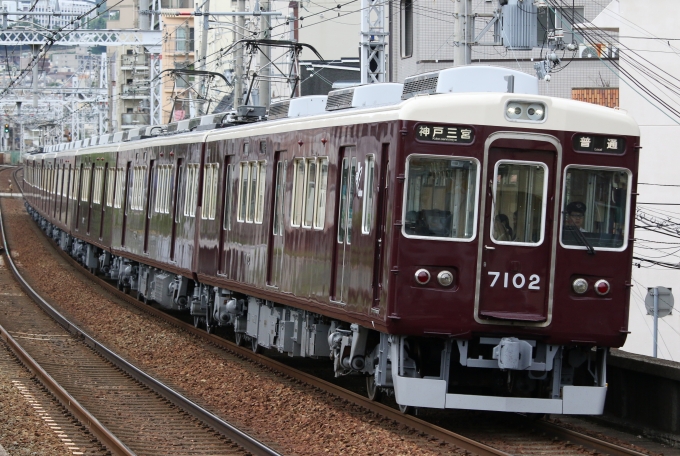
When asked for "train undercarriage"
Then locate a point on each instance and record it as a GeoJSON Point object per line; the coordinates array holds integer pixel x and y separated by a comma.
{"type": "Point", "coordinates": [485, 373]}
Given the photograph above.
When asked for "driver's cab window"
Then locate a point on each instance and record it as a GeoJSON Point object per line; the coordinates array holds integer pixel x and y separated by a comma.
{"type": "Point", "coordinates": [519, 203]}
{"type": "Point", "coordinates": [595, 210]}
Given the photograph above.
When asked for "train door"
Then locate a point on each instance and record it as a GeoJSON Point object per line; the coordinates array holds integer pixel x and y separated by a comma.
{"type": "Point", "coordinates": [277, 230]}
{"type": "Point", "coordinates": [381, 212]}
{"type": "Point", "coordinates": [224, 255]}
{"type": "Point", "coordinates": [150, 186]}
{"type": "Point", "coordinates": [517, 235]}
{"type": "Point", "coordinates": [175, 206]}
{"type": "Point", "coordinates": [103, 198]}
{"type": "Point", "coordinates": [127, 192]}
{"type": "Point", "coordinates": [346, 190]}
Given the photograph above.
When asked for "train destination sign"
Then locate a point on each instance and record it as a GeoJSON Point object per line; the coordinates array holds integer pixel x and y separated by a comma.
{"type": "Point", "coordinates": [445, 133]}
{"type": "Point", "coordinates": [603, 144]}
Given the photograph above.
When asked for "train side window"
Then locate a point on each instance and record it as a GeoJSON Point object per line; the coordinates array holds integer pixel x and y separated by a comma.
{"type": "Point", "coordinates": [367, 210]}
{"type": "Point", "coordinates": [56, 187]}
{"type": "Point", "coordinates": [296, 200]}
{"type": "Point", "coordinates": [120, 190]}
{"type": "Point", "coordinates": [85, 187]}
{"type": "Point", "coordinates": [441, 196]}
{"type": "Point", "coordinates": [169, 173]}
{"type": "Point", "coordinates": [519, 204]}
{"type": "Point", "coordinates": [96, 195]}
{"type": "Point", "coordinates": [244, 174]}
{"type": "Point", "coordinates": [191, 190]}
{"type": "Point", "coordinates": [310, 193]}
{"type": "Point", "coordinates": [320, 217]}
{"type": "Point", "coordinates": [595, 208]}
{"type": "Point", "coordinates": [110, 176]}
{"type": "Point", "coordinates": [210, 180]}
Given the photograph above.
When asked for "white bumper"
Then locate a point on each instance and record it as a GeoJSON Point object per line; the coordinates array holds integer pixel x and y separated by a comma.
{"type": "Point", "coordinates": [431, 393]}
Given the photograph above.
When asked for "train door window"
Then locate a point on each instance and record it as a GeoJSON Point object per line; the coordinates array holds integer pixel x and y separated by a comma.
{"type": "Point", "coordinates": [228, 197]}
{"type": "Point", "coordinates": [57, 188]}
{"type": "Point", "coordinates": [243, 191]}
{"type": "Point", "coordinates": [160, 183]}
{"type": "Point", "coordinates": [165, 174]}
{"type": "Point", "coordinates": [367, 212]}
{"type": "Point", "coordinates": [347, 186]}
{"type": "Point", "coordinates": [519, 202]}
{"type": "Point", "coordinates": [298, 192]}
{"type": "Point", "coordinates": [310, 193]}
{"type": "Point", "coordinates": [595, 208]}
{"type": "Point", "coordinates": [441, 197]}
{"type": "Point", "coordinates": [322, 185]}
{"type": "Point", "coordinates": [279, 192]}
{"type": "Point", "coordinates": [252, 192]}
{"type": "Point", "coordinates": [262, 180]}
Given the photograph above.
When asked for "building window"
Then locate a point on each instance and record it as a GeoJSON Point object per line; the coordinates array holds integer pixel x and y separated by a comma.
{"type": "Point", "coordinates": [406, 7]}
{"type": "Point", "coordinates": [549, 19]}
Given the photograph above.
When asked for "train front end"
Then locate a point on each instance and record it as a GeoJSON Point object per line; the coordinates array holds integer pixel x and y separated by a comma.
{"type": "Point", "coordinates": [511, 249]}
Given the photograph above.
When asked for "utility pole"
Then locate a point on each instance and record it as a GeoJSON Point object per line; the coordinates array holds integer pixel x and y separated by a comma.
{"type": "Point", "coordinates": [462, 36]}
{"type": "Point", "coordinates": [265, 56]}
{"type": "Point", "coordinates": [204, 51]}
{"type": "Point", "coordinates": [238, 71]}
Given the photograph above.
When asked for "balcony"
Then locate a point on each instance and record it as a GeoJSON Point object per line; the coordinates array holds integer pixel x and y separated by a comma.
{"type": "Point", "coordinates": [134, 91]}
{"type": "Point", "coordinates": [138, 61]}
{"type": "Point", "coordinates": [135, 120]}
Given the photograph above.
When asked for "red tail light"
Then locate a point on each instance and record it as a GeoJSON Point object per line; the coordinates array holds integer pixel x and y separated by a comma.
{"type": "Point", "coordinates": [422, 276]}
{"type": "Point", "coordinates": [602, 287]}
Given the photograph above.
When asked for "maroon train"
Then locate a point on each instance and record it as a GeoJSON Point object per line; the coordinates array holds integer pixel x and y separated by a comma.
{"type": "Point", "coordinates": [459, 240]}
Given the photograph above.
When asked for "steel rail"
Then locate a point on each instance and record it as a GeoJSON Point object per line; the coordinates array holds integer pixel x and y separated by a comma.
{"type": "Point", "coordinates": [104, 436]}
{"type": "Point", "coordinates": [231, 432]}
{"type": "Point", "coordinates": [586, 440]}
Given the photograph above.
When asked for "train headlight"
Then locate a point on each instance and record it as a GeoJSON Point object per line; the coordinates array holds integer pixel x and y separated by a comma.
{"type": "Point", "coordinates": [422, 276]}
{"type": "Point", "coordinates": [445, 278]}
{"type": "Point", "coordinates": [536, 112]}
{"type": "Point", "coordinates": [580, 286]}
{"type": "Point", "coordinates": [514, 111]}
{"type": "Point", "coordinates": [602, 287]}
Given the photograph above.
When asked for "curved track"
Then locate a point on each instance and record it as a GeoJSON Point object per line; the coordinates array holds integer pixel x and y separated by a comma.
{"type": "Point", "coordinates": [135, 413]}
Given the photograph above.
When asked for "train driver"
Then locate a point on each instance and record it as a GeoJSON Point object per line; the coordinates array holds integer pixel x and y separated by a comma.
{"type": "Point", "coordinates": [576, 211]}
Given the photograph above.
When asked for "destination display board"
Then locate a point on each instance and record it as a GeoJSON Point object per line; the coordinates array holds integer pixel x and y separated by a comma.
{"type": "Point", "coordinates": [459, 134]}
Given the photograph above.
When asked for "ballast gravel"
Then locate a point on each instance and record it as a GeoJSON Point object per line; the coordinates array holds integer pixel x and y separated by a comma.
{"type": "Point", "coordinates": [283, 413]}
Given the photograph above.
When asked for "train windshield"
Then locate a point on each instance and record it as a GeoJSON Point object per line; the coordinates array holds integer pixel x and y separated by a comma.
{"type": "Point", "coordinates": [440, 197]}
{"type": "Point", "coordinates": [595, 207]}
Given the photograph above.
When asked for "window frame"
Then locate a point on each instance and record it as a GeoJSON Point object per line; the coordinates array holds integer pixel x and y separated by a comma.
{"type": "Point", "coordinates": [626, 224]}
{"type": "Point", "coordinates": [317, 209]}
{"type": "Point", "coordinates": [297, 198]}
{"type": "Point", "coordinates": [475, 215]}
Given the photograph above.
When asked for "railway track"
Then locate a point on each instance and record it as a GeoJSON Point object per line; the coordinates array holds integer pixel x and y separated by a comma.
{"type": "Point", "coordinates": [127, 410]}
{"type": "Point", "coordinates": [542, 442]}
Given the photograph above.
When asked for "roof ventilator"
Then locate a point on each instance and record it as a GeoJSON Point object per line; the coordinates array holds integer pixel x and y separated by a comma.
{"type": "Point", "coordinates": [364, 96]}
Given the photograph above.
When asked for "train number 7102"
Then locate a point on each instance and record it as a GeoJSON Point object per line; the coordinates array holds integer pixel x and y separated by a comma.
{"type": "Point", "coordinates": [518, 280]}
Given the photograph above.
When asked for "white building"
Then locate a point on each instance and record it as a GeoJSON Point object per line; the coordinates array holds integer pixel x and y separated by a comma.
{"type": "Point", "coordinates": [649, 32]}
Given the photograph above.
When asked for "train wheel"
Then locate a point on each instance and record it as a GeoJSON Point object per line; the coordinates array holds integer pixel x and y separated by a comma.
{"type": "Point", "coordinates": [254, 345]}
{"type": "Point", "coordinates": [372, 391]}
{"type": "Point", "coordinates": [406, 409]}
